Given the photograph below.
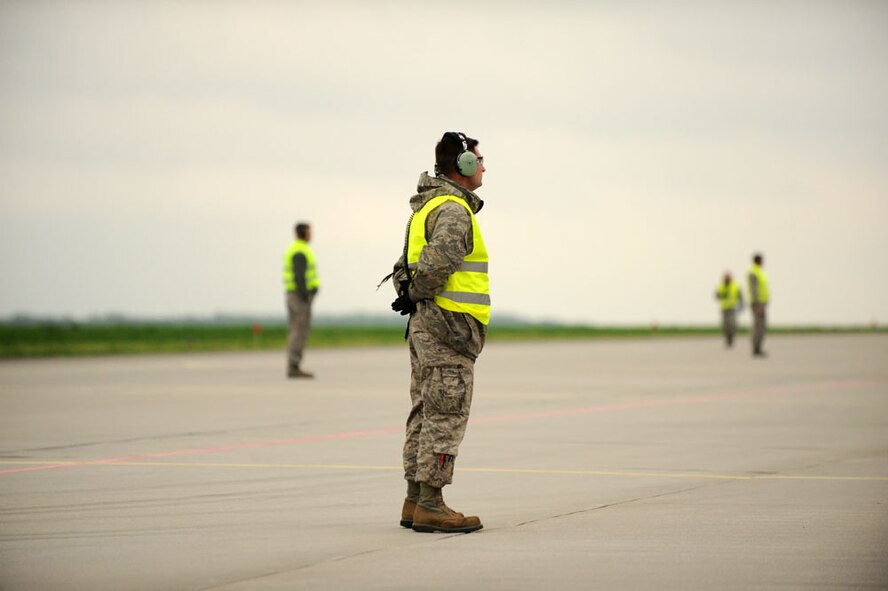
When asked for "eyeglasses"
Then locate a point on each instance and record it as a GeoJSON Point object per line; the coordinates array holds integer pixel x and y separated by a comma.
{"type": "Point", "coordinates": [481, 160]}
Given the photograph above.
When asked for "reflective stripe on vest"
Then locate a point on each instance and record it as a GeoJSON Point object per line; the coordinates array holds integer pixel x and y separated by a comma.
{"type": "Point", "coordinates": [311, 274]}
{"type": "Point", "coordinates": [729, 296]}
{"type": "Point", "coordinates": [467, 289]}
{"type": "Point", "coordinates": [763, 293]}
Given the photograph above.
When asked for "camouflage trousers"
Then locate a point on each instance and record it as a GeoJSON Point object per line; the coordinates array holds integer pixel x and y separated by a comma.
{"type": "Point", "coordinates": [441, 382]}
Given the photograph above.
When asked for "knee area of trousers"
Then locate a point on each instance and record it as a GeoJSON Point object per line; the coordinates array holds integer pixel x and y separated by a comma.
{"type": "Point", "coordinates": [447, 389]}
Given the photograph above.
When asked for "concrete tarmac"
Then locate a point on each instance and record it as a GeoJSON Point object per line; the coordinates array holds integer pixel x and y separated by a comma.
{"type": "Point", "coordinates": [604, 464]}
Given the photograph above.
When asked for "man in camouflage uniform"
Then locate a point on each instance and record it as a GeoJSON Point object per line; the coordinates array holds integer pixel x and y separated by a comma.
{"type": "Point", "coordinates": [445, 293]}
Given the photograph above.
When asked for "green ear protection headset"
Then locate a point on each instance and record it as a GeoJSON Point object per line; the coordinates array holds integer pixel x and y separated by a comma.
{"type": "Point", "coordinates": [466, 162]}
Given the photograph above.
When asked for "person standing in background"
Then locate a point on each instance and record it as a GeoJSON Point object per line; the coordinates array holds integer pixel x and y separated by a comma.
{"type": "Point", "coordinates": [730, 299]}
{"type": "Point", "coordinates": [759, 296]}
{"type": "Point", "coordinates": [301, 284]}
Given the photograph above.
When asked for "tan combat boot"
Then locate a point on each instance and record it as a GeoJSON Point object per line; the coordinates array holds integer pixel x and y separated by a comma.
{"type": "Point", "coordinates": [432, 514]}
{"type": "Point", "coordinates": [413, 490]}
{"type": "Point", "coordinates": [407, 513]}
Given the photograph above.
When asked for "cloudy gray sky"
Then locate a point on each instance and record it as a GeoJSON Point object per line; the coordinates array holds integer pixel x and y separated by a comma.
{"type": "Point", "coordinates": [154, 155]}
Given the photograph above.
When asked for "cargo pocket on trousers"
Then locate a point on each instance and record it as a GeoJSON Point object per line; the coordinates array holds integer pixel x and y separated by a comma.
{"type": "Point", "coordinates": [445, 390]}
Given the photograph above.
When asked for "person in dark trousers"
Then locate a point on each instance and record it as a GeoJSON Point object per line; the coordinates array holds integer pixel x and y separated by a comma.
{"type": "Point", "coordinates": [759, 296]}
{"type": "Point", "coordinates": [730, 301]}
{"type": "Point", "coordinates": [301, 284]}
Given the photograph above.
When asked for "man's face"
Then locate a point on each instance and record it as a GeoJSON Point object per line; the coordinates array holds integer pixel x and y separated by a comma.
{"type": "Point", "coordinates": [474, 181]}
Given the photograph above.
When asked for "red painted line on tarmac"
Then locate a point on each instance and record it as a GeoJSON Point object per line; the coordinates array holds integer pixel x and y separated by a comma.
{"type": "Point", "coordinates": [209, 450]}
{"type": "Point", "coordinates": [777, 391]}
{"type": "Point", "coordinates": [605, 408]}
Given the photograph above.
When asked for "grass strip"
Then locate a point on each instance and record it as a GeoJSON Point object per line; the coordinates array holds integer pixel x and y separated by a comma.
{"type": "Point", "coordinates": [19, 341]}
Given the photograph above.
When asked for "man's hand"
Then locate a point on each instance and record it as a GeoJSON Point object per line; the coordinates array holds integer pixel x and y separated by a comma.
{"type": "Point", "coordinates": [403, 304]}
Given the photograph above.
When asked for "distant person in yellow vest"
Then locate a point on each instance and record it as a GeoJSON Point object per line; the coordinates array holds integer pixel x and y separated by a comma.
{"type": "Point", "coordinates": [731, 301]}
{"type": "Point", "coordinates": [441, 281]}
{"type": "Point", "coordinates": [301, 284]}
{"type": "Point", "coordinates": [759, 296]}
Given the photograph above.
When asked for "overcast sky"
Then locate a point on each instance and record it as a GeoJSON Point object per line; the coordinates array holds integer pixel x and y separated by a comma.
{"type": "Point", "coordinates": [154, 156]}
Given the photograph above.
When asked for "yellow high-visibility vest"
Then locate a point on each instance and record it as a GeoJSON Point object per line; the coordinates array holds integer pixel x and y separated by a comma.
{"type": "Point", "coordinates": [728, 295]}
{"type": "Point", "coordinates": [312, 282]}
{"type": "Point", "coordinates": [763, 293]}
{"type": "Point", "coordinates": [467, 290]}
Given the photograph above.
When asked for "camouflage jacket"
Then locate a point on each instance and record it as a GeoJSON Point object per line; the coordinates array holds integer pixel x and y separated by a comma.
{"type": "Point", "coordinates": [449, 237]}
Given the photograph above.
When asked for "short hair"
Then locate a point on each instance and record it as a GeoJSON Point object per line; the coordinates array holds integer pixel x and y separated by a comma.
{"type": "Point", "coordinates": [757, 258]}
{"type": "Point", "coordinates": [302, 229]}
{"type": "Point", "coordinates": [447, 151]}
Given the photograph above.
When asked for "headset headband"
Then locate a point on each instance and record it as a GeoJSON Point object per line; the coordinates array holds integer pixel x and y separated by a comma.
{"type": "Point", "coordinates": [462, 138]}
